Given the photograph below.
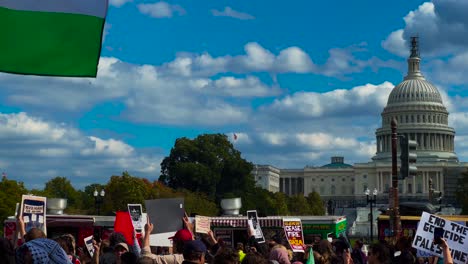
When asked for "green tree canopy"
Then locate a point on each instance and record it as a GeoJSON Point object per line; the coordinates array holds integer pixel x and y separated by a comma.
{"type": "Point", "coordinates": [207, 164]}
{"type": "Point", "coordinates": [315, 203]}
{"type": "Point", "coordinates": [298, 205]}
{"type": "Point", "coordinates": [10, 194]}
{"type": "Point", "coordinates": [123, 190]}
{"type": "Point", "coordinates": [61, 187]}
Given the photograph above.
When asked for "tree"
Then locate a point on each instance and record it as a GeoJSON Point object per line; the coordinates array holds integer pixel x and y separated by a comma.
{"type": "Point", "coordinates": [10, 194]}
{"type": "Point", "coordinates": [298, 205]}
{"type": "Point", "coordinates": [207, 164]}
{"type": "Point", "coordinates": [87, 197]}
{"type": "Point", "coordinates": [316, 204]}
{"type": "Point", "coordinates": [462, 192]}
{"type": "Point", "coordinates": [123, 190]}
{"type": "Point", "coordinates": [199, 203]}
{"type": "Point", "coordinates": [61, 187]}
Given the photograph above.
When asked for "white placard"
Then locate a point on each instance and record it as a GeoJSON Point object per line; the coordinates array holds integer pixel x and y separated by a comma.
{"type": "Point", "coordinates": [89, 245]}
{"type": "Point", "coordinates": [455, 234]}
{"type": "Point", "coordinates": [254, 225]}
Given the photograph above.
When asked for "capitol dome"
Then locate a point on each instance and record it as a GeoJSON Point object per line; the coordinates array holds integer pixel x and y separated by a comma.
{"type": "Point", "coordinates": [414, 91]}
{"type": "Point", "coordinates": [421, 115]}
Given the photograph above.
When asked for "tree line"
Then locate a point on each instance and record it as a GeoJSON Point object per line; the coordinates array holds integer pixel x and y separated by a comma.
{"type": "Point", "coordinates": [203, 170]}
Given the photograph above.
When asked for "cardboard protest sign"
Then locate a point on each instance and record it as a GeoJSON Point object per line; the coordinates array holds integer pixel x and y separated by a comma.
{"type": "Point", "coordinates": [136, 213]}
{"type": "Point", "coordinates": [455, 234]}
{"type": "Point", "coordinates": [89, 245]}
{"type": "Point", "coordinates": [293, 230]}
{"type": "Point", "coordinates": [166, 216]}
{"type": "Point", "coordinates": [123, 224]}
{"type": "Point", "coordinates": [33, 211]}
{"type": "Point", "coordinates": [226, 235]}
{"type": "Point", "coordinates": [202, 224]}
{"type": "Point", "coordinates": [254, 225]}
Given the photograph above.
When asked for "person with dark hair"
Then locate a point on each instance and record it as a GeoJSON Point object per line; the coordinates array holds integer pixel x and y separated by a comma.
{"type": "Point", "coordinates": [7, 252]}
{"type": "Point", "coordinates": [378, 254]}
{"type": "Point", "coordinates": [226, 256]}
{"type": "Point", "coordinates": [403, 254]}
{"type": "Point", "coordinates": [325, 254]}
{"type": "Point", "coordinates": [357, 255]}
{"type": "Point", "coordinates": [128, 258]}
{"type": "Point", "coordinates": [194, 252]}
{"type": "Point", "coordinates": [67, 242]}
{"type": "Point", "coordinates": [254, 258]}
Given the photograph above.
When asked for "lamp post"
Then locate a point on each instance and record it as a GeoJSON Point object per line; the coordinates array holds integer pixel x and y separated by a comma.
{"type": "Point", "coordinates": [371, 200]}
{"type": "Point", "coordinates": [98, 199]}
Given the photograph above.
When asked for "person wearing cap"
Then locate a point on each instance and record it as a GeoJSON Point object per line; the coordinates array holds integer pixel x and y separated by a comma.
{"type": "Point", "coordinates": [120, 249]}
{"type": "Point", "coordinates": [180, 237]}
{"type": "Point", "coordinates": [194, 252]}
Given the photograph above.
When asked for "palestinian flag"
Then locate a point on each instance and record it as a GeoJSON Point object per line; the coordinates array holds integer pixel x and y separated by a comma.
{"type": "Point", "coordinates": [51, 37]}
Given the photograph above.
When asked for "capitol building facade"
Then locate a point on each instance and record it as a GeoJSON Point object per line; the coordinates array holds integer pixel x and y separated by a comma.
{"type": "Point", "coordinates": [421, 116]}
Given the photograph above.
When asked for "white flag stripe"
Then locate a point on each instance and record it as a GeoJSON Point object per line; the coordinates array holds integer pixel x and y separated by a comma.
{"type": "Point", "coordinates": [97, 8]}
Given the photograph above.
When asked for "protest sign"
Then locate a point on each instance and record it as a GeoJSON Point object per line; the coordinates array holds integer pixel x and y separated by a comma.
{"type": "Point", "coordinates": [254, 224]}
{"type": "Point", "coordinates": [455, 235]}
{"type": "Point", "coordinates": [202, 224]}
{"type": "Point", "coordinates": [89, 245]}
{"type": "Point", "coordinates": [293, 230]}
{"type": "Point", "coordinates": [166, 216]}
{"type": "Point", "coordinates": [33, 212]}
{"type": "Point", "coordinates": [226, 235]}
{"type": "Point", "coordinates": [136, 213]}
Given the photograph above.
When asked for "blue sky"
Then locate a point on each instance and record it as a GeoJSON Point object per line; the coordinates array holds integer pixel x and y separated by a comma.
{"type": "Point", "coordinates": [297, 81]}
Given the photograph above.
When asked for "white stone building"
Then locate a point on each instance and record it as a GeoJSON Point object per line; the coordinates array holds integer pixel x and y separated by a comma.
{"type": "Point", "coordinates": [421, 115]}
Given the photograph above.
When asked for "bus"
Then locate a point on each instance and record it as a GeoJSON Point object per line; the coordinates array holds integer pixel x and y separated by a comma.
{"type": "Point", "coordinates": [409, 224]}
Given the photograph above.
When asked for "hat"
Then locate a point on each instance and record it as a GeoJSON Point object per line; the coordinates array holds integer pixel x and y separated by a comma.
{"type": "Point", "coordinates": [194, 246]}
{"type": "Point", "coordinates": [121, 244]}
{"type": "Point", "coordinates": [182, 235]}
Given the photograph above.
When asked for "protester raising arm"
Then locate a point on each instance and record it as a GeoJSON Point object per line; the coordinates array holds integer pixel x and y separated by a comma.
{"type": "Point", "coordinates": [146, 238]}
{"type": "Point", "coordinates": [20, 229]}
{"type": "Point", "coordinates": [446, 252]}
{"type": "Point", "coordinates": [188, 225]}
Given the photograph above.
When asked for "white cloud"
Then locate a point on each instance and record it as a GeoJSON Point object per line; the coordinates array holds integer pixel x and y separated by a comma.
{"type": "Point", "coordinates": [229, 12]}
{"type": "Point", "coordinates": [119, 3]}
{"type": "Point", "coordinates": [161, 9]}
{"type": "Point", "coordinates": [294, 59]}
{"type": "Point", "coordinates": [320, 141]}
{"type": "Point", "coordinates": [35, 150]}
{"type": "Point", "coordinates": [396, 44]}
{"type": "Point", "coordinates": [364, 100]}
{"type": "Point", "coordinates": [441, 25]}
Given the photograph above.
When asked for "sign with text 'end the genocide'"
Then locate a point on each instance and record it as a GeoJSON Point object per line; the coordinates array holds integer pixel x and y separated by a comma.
{"type": "Point", "coordinates": [455, 234]}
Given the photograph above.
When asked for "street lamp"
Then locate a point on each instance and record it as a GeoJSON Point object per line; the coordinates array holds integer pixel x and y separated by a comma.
{"type": "Point", "coordinates": [98, 199]}
{"type": "Point", "coordinates": [371, 201]}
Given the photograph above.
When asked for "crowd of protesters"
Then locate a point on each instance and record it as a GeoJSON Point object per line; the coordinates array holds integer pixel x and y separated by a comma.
{"type": "Point", "coordinates": [189, 248]}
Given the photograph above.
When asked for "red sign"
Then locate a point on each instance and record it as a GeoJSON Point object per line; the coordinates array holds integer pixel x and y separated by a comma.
{"type": "Point", "coordinates": [293, 231]}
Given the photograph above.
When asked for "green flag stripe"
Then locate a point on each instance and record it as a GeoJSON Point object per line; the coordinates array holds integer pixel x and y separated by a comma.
{"type": "Point", "coordinates": [49, 43]}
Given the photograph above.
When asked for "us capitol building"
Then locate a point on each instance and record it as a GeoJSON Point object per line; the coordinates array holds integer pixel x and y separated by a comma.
{"type": "Point", "coordinates": [417, 106]}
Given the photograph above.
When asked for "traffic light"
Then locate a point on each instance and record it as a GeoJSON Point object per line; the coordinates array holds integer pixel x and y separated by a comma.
{"type": "Point", "coordinates": [408, 158]}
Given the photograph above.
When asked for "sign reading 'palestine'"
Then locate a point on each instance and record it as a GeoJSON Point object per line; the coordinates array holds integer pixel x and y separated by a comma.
{"type": "Point", "coordinates": [51, 37]}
